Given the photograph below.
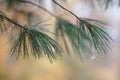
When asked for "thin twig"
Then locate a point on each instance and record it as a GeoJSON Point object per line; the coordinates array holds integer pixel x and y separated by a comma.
{"type": "Point", "coordinates": [65, 9]}
{"type": "Point", "coordinates": [6, 18]}
{"type": "Point", "coordinates": [49, 11]}
{"type": "Point", "coordinates": [38, 7]}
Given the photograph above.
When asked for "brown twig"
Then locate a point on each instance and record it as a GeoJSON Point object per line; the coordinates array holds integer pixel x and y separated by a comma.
{"type": "Point", "coordinates": [6, 18]}
{"type": "Point", "coordinates": [49, 11]}
{"type": "Point", "coordinates": [38, 7]}
{"type": "Point", "coordinates": [65, 9]}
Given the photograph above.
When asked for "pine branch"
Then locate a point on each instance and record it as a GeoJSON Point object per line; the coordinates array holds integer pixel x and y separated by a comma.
{"type": "Point", "coordinates": [37, 43]}
{"type": "Point", "coordinates": [85, 35]}
{"type": "Point", "coordinates": [81, 36]}
{"type": "Point", "coordinates": [19, 25]}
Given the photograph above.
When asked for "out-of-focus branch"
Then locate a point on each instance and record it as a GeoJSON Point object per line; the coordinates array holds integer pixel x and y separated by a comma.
{"type": "Point", "coordinates": [29, 2]}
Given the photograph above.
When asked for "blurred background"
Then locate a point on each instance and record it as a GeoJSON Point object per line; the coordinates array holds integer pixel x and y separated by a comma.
{"type": "Point", "coordinates": [69, 67]}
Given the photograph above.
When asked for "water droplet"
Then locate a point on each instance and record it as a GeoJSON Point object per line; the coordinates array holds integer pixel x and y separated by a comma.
{"type": "Point", "coordinates": [13, 25]}
{"type": "Point", "coordinates": [92, 57]}
{"type": "Point", "coordinates": [53, 49]}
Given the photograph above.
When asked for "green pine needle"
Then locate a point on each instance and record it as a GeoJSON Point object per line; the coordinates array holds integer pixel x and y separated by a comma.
{"type": "Point", "coordinates": [98, 35]}
{"type": "Point", "coordinates": [86, 35]}
{"type": "Point", "coordinates": [2, 24]}
{"type": "Point", "coordinates": [63, 27]}
{"type": "Point", "coordinates": [37, 43]}
{"type": "Point", "coordinates": [106, 3]}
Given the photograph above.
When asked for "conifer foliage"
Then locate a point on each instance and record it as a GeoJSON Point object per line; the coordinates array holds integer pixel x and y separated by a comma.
{"type": "Point", "coordinates": [84, 35]}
